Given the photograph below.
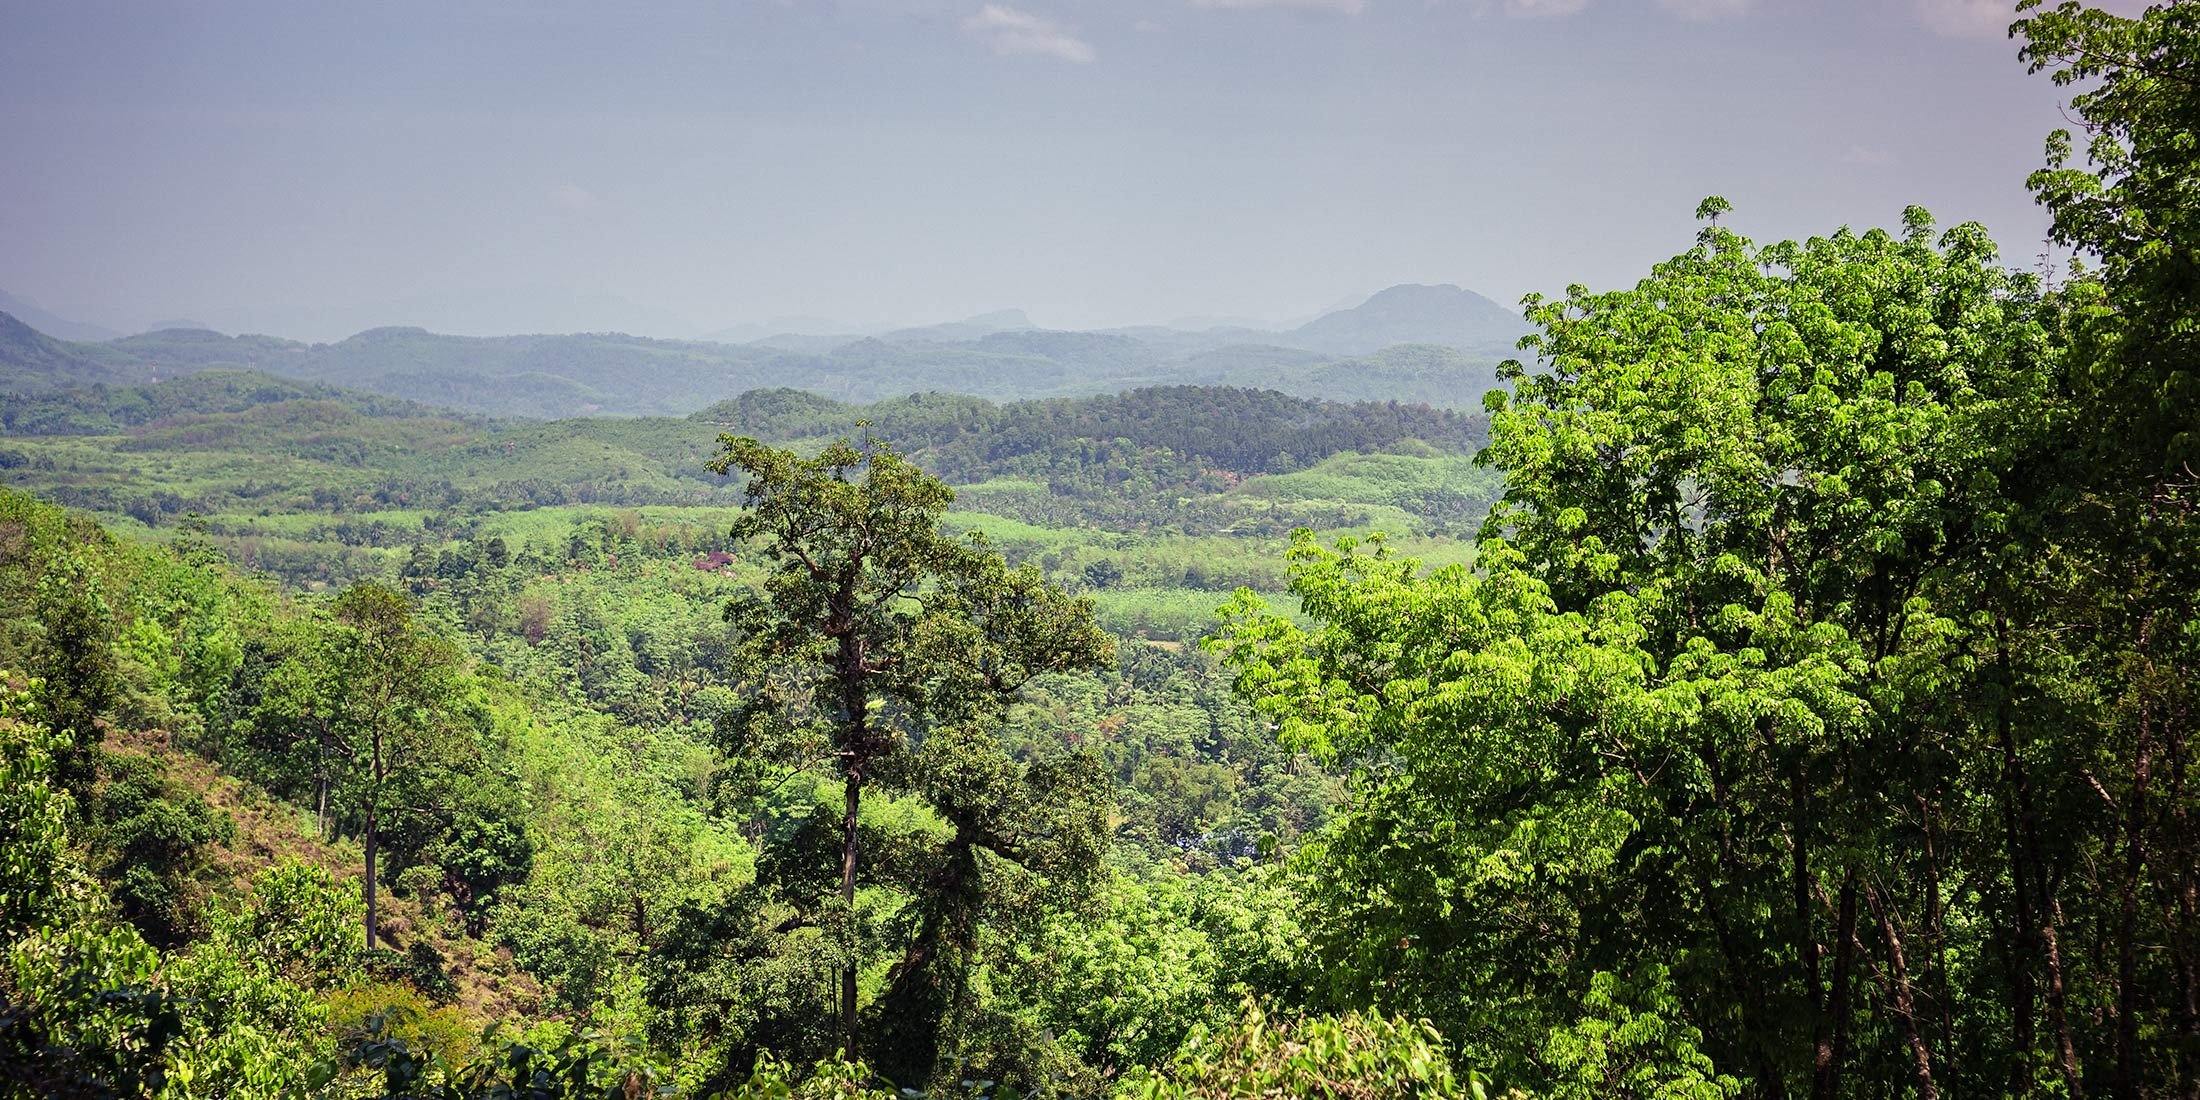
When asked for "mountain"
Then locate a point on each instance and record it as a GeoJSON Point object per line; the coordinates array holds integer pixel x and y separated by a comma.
{"type": "Point", "coordinates": [783, 326]}
{"type": "Point", "coordinates": [486, 312]}
{"type": "Point", "coordinates": [107, 409]}
{"type": "Point", "coordinates": [1414, 314]}
{"type": "Point", "coordinates": [612, 374]}
{"type": "Point", "coordinates": [550, 376]}
{"type": "Point", "coordinates": [170, 352]}
{"type": "Point", "coordinates": [1004, 320]}
{"type": "Point", "coordinates": [818, 334]}
{"type": "Point", "coordinates": [30, 314]}
{"type": "Point", "coordinates": [1202, 324]}
{"type": "Point", "coordinates": [33, 362]}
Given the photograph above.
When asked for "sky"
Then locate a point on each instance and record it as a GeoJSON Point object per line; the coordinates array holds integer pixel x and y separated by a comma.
{"type": "Point", "coordinates": [679, 168]}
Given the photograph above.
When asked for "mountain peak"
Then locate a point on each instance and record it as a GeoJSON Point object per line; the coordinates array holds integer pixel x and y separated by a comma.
{"type": "Point", "coordinates": [1001, 319]}
{"type": "Point", "coordinates": [1415, 313]}
{"type": "Point", "coordinates": [25, 311]}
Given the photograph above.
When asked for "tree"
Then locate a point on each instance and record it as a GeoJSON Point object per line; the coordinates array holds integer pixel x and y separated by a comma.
{"type": "Point", "coordinates": [889, 648]}
{"type": "Point", "coordinates": [75, 665]}
{"type": "Point", "coordinates": [2111, 532]}
{"type": "Point", "coordinates": [2135, 208]}
{"type": "Point", "coordinates": [391, 683]}
{"type": "Point", "coordinates": [1705, 698]}
{"type": "Point", "coordinates": [286, 689]}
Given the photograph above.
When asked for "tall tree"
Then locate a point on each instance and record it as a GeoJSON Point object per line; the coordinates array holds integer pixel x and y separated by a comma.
{"type": "Point", "coordinates": [894, 643]}
{"type": "Point", "coordinates": [2134, 207]}
{"type": "Point", "coordinates": [2114, 524]}
{"type": "Point", "coordinates": [1694, 705]}
{"type": "Point", "coordinates": [390, 681]}
{"type": "Point", "coordinates": [75, 663]}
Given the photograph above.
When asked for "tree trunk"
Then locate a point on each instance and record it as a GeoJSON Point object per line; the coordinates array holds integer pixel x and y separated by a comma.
{"type": "Point", "coordinates": [1749, 994]}
{"type": "Point", "coordinates": [1905, 1000]}
{"type": "Point", "coordinates": [1826, 1069]}
{"type": "Point", "coordinates": [320, 784]}
{"type": "Point", "coordinates": [372, 822]}
{"type": "Point", "coordinates": [856, 752]}
{"type": "Point", "coordinates": [2182, 917]}
{"type": "Point", "coordinates": [2058, 1012]}
{"type": "Point", "coordinates": [1936, 926]}
{"type": "Point", "coordinates": [2021, 1000]}
{"type": "Point", "coordinates": [1807, 949]}
{"type": "Point", "coordinates": [380, 770]}
{"type": "Point", "coordinates": [2127, 932]}
{"type": "Point", "coordinates": [854, 789]}
{"type": "Point", "coordinates": [2016, 812]}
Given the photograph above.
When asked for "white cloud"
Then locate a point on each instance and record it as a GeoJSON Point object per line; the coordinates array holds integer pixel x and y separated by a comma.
{"type": "Point", "coordinates": [1707, 9]}
{"type": "Point", "coordinates": [573, 198]}
{"type": "Point", "coordinates": [1009, 31]}
{"type": "Point", "coordinates": [1539, 9]}
{"type": "Point", "coordinates": [1307, 7]}
{"type": "Point", "coordinates": [1981, 19]}
{"type": "Point", "coordinates": [1685, 9]}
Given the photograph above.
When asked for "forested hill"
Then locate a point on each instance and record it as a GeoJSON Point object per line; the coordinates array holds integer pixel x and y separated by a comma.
{"type": "Point", "coordinates": [1238, 430]}
{"type": "Point", "coordinates": [609, 374]}
{"type": "Point", "coordinates": [1187, 459]}
{"type": "Point", "coordinates": [106, 409]}
{"type": "Point", "coordinates": [33, 362]}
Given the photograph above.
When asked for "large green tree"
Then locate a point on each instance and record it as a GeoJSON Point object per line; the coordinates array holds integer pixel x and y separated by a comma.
{"type": "Point", "coordinates": [1689, 743]}
{"type": "Point", "coordinates": [2111, 553]}
{"type": "Point", "coordinates": [1823, 701]}
{"type": "Point", "coordinates": [387, 695]}
{"type": "Point", "coordinates": [58, 624]}
{"type": "Point", "coordinates": [891, 650]}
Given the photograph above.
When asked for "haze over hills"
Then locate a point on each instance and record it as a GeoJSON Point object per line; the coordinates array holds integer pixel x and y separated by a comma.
{"type": "Point", "coordinates": [32, 314]}
{"type": "Point", "coordinates": [33, 362]}
{"type": "Point", "coordinates": [485, 312]}
{"type": "Point", "coordinates": [1418, 344]}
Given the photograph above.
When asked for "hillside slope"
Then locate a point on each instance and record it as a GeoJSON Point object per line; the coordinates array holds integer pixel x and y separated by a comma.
{"type": "Point", "coordinates": [33, 362]}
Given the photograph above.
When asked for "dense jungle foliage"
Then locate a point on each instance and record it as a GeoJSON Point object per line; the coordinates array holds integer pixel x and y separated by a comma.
{"type": "Point", "coordinates": [1793, 697]}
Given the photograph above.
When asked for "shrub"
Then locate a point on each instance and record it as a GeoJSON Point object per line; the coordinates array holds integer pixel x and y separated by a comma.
{"type": "Point", "coordinates": [1356, 1056]}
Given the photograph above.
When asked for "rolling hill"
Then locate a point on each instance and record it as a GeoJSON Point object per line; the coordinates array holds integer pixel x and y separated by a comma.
{"type": "Point", "coordinates": [1427, 345]}
{"type": "Point", "coordinates": [1193, 459]}
{"type": "Point", "coordinates": [32, 362]}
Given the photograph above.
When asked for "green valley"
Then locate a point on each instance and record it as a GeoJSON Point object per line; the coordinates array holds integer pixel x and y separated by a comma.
{"type": "Point", "coordinates": [1780, 679]}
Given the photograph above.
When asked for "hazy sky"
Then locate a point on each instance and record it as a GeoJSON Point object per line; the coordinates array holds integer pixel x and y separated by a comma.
{"type": "Point", "coordinates": [289, 166]}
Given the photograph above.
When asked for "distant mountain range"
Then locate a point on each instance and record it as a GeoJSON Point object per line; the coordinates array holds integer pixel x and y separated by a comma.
{"type": "Point", "coordinates": [32, 314]}
{"type": "Point", "coordinates": [1434, 345]}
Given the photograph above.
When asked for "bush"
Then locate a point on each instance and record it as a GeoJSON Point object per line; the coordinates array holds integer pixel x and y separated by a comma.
{"type": "Point", "coordinates": [34, 839]}
{"type": "Point", "coordinates": [1356, 1056]}
{"type": "Point", "coordinates": [414, 1066]}
{"type": "Point", "coordinates": [151, 838]}
{"type": "Point", "coordinates": [395, 1013]}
